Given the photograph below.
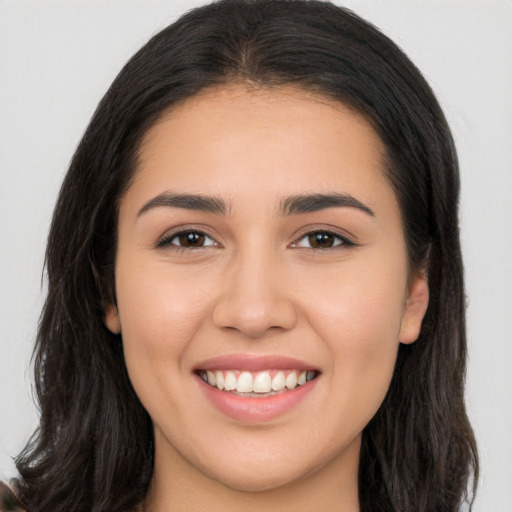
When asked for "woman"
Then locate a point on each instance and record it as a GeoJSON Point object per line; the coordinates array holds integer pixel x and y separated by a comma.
{"type": "Point", "coordinates": [249, 267]}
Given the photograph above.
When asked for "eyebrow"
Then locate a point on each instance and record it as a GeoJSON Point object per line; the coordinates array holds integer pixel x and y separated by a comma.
{"type": "Point", "coordinates": [305, 203]}
{"type": "Point", "coordinates": [315, 202]}
{"type": "Point", "coordinates": [198, 202]}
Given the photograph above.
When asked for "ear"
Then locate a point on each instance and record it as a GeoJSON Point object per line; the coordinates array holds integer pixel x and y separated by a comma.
{"type": "Point", "coordinates": [112, 319]}
{"type": "Point", "coordinates": [415, 309]}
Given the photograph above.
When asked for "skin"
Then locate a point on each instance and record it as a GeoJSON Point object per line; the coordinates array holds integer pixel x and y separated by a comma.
{"type": "Point", "coordinates": [257, 288]}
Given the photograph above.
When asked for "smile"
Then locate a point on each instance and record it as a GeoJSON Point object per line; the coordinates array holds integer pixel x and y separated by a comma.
{"type": "Point", "coordinates": [256, 388]}
{"type": "Point", "coordinates": [247, 383]}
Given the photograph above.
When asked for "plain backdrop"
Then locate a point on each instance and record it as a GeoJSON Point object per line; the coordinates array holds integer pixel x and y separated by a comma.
{"type": "Point", "coordinates": [57, 59]}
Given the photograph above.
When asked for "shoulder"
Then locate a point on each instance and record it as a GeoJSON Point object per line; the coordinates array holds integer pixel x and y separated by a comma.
{"type": "Point", "coordinates": [8, 500]}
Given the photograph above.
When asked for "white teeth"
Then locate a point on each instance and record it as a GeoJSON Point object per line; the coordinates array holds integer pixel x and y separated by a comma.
{"type": "Point", "coordinates": [244, 383]}
{"type": "Point", "coordinates": [262, 383]}
{"type": "Point", "coordinates": [278, 382]}
{"type": "Point", "coordinates": [291, 380]}
{"type": "Point", "coordinates": [219, 377]}
{"type": "Point", "coordinates": [229, 381]}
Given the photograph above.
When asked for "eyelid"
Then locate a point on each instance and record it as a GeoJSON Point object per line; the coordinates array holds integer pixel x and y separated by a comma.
{"type": "Point", "coordinates": [166, 239]}
{"type": "Point", "coordinates": [346, 240]}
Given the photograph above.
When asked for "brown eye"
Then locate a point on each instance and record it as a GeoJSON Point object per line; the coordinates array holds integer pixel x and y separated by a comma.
{"type": "Point", "coordinates": [190, 239]}
{"type": "Point", "coordinates": [187, 240]}
{"type": "Point", "coordinates": [322, 240]}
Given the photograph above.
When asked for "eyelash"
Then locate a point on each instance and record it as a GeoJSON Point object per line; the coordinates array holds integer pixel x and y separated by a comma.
{"type": "Point", "coordinates": [339, 240]}
{"type": "Point", "coordinates": [167, 240]}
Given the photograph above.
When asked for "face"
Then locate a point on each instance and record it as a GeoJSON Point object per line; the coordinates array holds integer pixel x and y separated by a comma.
{"type": "Point", "coordinates": [262, 285]}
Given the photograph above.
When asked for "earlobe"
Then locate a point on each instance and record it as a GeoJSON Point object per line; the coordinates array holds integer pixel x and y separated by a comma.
{"type": "Point", "coordinates": [415, 309]}
{"type": "Point", "coordinates": [112, 319]}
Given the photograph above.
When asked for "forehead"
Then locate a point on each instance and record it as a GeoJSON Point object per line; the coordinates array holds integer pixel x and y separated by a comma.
{"type": "Point", "coordinates": [276, 110]}
{"type": "Point", "coordinates": [278, 141]}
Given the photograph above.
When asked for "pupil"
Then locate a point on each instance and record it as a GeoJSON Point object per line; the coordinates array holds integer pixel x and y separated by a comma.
{"type": "Point", "coordinates": [191, 239]}
{"type": "Point", "coordinates": [321, 240]}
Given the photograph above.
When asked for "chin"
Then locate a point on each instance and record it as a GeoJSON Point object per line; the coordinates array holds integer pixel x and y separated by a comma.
{"type": "Point", "coordinates": [258, 479]}
{"type": "Point", "coordinates": [279, 472]}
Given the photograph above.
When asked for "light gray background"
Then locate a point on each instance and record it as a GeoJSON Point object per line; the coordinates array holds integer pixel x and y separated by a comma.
{"type": "Point", "coordinates": [57, 59]}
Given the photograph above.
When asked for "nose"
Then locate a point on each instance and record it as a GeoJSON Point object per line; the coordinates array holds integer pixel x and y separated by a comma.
{"type": "Point", "coordinates": [255, 299]}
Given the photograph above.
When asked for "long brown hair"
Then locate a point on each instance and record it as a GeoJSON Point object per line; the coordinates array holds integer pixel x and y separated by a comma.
{"type": "Point", "coordinates": [93, 450]}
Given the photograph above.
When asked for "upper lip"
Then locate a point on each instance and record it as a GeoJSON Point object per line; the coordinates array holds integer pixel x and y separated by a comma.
{"type": "Point", "coordinates": [252, 362]}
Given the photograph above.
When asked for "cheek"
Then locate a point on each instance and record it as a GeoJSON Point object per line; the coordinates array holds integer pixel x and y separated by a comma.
{"type": "Point", "coordinates": [157, 307]}
{"type": "Point", "coordinates": [359, 321]}
{"type": "Point", "coordinates": [159, 315]}
{"type": "Point", "coordinates": [363, 337]}
{"type": "Point", "coordinates": [362, 307]}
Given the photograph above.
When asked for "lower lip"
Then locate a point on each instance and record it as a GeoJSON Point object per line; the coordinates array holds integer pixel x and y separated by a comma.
{"type": "Point", "coordinates": [250, 409]}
